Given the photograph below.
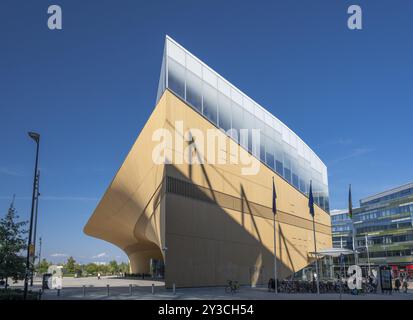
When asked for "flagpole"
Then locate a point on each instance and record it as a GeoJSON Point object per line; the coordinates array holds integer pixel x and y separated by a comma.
{"type": "Point", "coordinates": [316, 259]}
{"type": "Point", "coordinates": [275, 239]}
{"type": "Point", "coordinates": [275, 259]}
{"type": "Point", "coordinates": [350, 213]}
{"type": "Point", "coordinates": [312, 212]}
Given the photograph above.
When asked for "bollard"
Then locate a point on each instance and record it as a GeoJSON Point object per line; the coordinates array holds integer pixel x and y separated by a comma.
{"type": "Point", "coordinates": [153, 288]}
{"type": "Point", "coordinates": [107, 286]}
{"type": "Point", "coordinates": [40, 294]}
{"type": "Point", "coordinates": [84, 290]}
{"type": "Point", "coordinates": [173, 288]}
{"type": "Point", "coordinates": [130, 289]}
{"type": "Point", "coordinates": [58, 292]}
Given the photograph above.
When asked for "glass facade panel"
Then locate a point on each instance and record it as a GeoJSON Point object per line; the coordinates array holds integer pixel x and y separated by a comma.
{"type": "Point", "coordinates": [210, 103]}
{"type": "Point", "coordinates": [249, 122]}
{"type": "Point", "coordinates": [237, 118]}
{"type": "Point", "coordinates": [176, 77]}
{"type": "Point", "coordinates": [228, 108]}
{"type": "Point", "coordinates": [194, 90]}
{"type": "Point", "coordinates": [224, 112]}
{"type": "Point", "coordinates": [287, 168]}
{"type": "Point", "coordinates": [269, 152]}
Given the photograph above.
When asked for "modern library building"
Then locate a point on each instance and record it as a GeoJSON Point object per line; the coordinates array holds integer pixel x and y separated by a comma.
{"type": "Point", "coordinates": [195, 192]}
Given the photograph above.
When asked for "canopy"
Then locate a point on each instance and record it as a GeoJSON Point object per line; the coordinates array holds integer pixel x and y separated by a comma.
{"type": "Point", "coordinates": [333, 252]}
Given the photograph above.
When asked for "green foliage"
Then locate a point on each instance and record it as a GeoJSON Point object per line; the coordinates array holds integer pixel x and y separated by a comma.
{"type": "Point", "coordinates": [17, 294]}
{"type": "Point", "coordinates": [70, 265]}
{"type": "Point", "coordinates": [113, 267]}
{"type": "Point", "coordinates": [104, 269]}
{"type": "Point", "coordinates": [12, 244]}
{"type": "Point", "coordinates": [43, 266]}
{"type": "Point", "coordinates": [124, 267]}
{"type": "Point", "coordinates": [91, 268]}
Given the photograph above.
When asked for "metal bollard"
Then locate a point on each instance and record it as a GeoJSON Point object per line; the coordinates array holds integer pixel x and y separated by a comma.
{"type": "Point", "coordinates": [107, 287]}
{"type": "Point", "coordinates": [40, 294]}
{"type": "Point", "coordinates": [130, 289]}
{"type": "Point", "coordinates": [173, 289]}
{"type": "Point", "coordinates": [153, 288]}
{"type": "Point", "coordinates": [84, 290]}
{"type": "Point", "coordinates": [58, 292]}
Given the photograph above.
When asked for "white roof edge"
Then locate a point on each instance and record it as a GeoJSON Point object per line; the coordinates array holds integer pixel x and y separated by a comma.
{"type": "Point", "coordinates": [387, 192]}
{"type": "Point", "coordinates": [335, 212]}
{"type": "Point", "coordinates": [167, 37]}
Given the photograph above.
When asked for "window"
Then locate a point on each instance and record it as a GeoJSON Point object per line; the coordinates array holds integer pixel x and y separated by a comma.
{"type": "Point", "coordinates": [224, 112]}
{"type": "Point", "coordinates": [249, 121]}
{"type": "Point", "coordinates": [193, 90]}
{"type": "Point", "coordinates": [269, 152]}
{"type": "Point", "coordinates": [237, 119]}
{"type": "Point", "coordinates": [262, 147]}
{"type": "Point", "coordinates": [176, 78]}
{"type": "Point", "coordinates": [210, 102]}
{"type": "Point", "coordinates": [287, 168]}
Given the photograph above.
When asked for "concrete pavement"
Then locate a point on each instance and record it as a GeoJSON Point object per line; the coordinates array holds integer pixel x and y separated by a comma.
{"type": "Point", "coordinates": [142, 290]}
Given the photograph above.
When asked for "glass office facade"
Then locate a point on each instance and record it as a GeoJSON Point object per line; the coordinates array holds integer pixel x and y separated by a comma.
{"type": "Point", "coordinates": [385, 221]}
{"type": "Point", "coordinates": [341, 229]}
{"type": "Point", "coordinates": [231, 110]}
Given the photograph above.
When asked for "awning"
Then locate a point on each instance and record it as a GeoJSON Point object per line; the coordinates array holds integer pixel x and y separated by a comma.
{"type": "Point", "coordinates": [332, 252]}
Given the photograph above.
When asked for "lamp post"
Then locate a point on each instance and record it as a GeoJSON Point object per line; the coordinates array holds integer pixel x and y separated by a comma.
{"type": "Point", "coordinates": [165, 250]}
{"type": "Point", "coordinates": [40, 252]}
{"type": "Point", "coordinates": [35, 223]}
{"type": "Point", "coordinates": [36, 137]}
{"type": "Point", "coordinates": [367, 251]}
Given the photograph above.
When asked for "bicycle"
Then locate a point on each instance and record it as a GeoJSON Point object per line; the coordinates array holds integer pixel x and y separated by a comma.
{"type": "Point", "coordinates": [232, 287]}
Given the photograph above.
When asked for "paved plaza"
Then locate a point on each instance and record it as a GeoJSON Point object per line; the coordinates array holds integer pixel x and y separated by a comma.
{"type": "Point", "coordinates": [119, 289]}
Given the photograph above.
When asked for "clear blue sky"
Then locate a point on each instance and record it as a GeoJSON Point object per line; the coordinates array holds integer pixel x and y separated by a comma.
{"type": "Point", "coordinates": [89, 89]}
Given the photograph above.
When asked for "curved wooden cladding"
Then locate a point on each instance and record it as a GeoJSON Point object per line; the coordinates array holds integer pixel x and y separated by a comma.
{"type": "Point", "coordinates": [223, 200]}
{"type": "Point", "coordinates": [129, 214]}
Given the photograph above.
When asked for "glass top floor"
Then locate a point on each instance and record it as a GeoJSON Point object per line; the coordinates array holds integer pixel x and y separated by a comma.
{"type": "Point", "coordinates": [230, 109]}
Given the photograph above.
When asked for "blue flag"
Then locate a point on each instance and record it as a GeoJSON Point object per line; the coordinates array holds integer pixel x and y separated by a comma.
{"type": "Point", "coordinates": [274, 197]}
{"type": "Point", "coordinates": [311, 200]}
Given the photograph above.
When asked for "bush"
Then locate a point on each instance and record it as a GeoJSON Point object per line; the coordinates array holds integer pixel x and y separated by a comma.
{"type": "Point", "coordinates": [17, 294]}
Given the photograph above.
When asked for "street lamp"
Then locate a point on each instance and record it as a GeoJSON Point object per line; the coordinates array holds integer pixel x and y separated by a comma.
{"type": "Point", "coordinates": [30, 248]}
{"type": "Point", "coordinates": [35, 224]}
{"type": "Point", "coordinates": [368, 254]}
{"type": "Point", "coordinates": [164, 249]}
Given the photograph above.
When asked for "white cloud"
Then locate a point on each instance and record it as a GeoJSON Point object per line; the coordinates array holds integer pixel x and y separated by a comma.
{"type": "Point", "coordinates": [10, 172]}
{"type": "Point", "coordinates": [59, 255]}
{"type": "Point", "coordinates": [353, 154]}
{"type": "Point", "coordinates": [100, 255]}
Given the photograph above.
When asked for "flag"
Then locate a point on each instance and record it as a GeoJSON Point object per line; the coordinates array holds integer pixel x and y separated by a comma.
{"type": "Point", "coordinates": [311, 200]}
{"type": "Point", "coordinates": [350, 204]}
{"type": "Point", "coordinates": [274, 197]}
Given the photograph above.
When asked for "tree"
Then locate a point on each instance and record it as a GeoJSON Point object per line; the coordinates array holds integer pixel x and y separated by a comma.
{"type": "Point", "coordinates": [103, 268]}
{"type": "Point", "coordinates": [70, 265]}
{"type": "Point", "coordinates": [12, 243]}
{"type": "Point", "coordinates": [113, 267]}
{"type": "Point", "coordinates": [43, 266]}
{"type": "Point", "coordinates": [124, 267]}
{"type": "Point", "coordinates": [91, 268]}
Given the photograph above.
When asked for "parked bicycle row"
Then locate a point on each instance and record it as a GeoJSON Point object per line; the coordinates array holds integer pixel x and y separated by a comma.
{"type": "Point", "coordinates": [331, 286]}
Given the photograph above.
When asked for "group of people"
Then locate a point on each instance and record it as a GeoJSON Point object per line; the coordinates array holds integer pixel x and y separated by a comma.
{"type": "Point", "coordinates": [403, 282]}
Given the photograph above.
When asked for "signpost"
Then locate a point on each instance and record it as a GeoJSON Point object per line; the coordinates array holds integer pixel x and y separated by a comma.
{"type": "Point", "coordinates": [385, 279]}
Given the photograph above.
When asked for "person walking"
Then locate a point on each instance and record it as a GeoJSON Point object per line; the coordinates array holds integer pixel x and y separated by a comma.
{"type": "Point", "coordinates": [405, 285]}
{"type": "Point", "coordinates": [397, 285]}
